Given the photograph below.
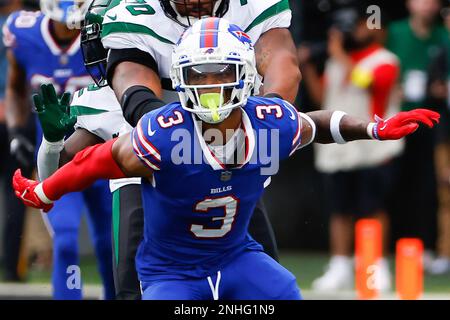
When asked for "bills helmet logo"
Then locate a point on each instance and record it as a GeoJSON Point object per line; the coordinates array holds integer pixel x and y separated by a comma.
{"type": "Point", "coordinates": [239, 34]}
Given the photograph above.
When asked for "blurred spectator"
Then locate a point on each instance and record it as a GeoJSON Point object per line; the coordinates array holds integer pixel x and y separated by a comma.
{"type": "Point", "coordinates": [360, 78]}
{"type": "Point", "coordinates": [439, 87]}
{"type": "Point", "coordinates": [416, 41]}
{"type": "Point", "coordinates": [14, 211]}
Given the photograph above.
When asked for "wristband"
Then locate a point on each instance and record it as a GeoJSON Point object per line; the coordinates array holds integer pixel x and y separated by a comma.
{"type": "Point", "coordinates": [335, 121]}
{"type": "Point", "coordinates": [313, 126]}
{"type": "Point", "coordinates": [42, 196]}
{"type": "Point", "coordinates": [371, 132]}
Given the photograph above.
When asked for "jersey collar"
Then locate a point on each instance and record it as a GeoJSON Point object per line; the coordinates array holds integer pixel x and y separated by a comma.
{"type": "Point", "coordinates": [212, 160]}
{"type": "Point", "coordinates": [53, 45]}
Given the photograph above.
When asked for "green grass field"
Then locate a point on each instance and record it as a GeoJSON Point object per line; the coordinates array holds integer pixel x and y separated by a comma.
{"type": "Point", "coordinates": [305, 266]}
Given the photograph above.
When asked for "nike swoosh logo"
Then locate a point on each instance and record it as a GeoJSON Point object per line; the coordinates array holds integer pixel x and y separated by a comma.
{"type": "Point", "coordinates": [149, 129]}
{"type": "Point", "coordinates": [113, 18]}
{"type": "Point", "coordinates": [383, 127]}
{"type": "Point", "coordinates": [24, 194]}
{"type": "Point", "coordinates": [292, 115]}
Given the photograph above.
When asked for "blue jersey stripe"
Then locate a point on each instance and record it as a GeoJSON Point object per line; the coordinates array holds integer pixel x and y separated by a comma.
{"type": "Point", "coordinates": [147, 158]}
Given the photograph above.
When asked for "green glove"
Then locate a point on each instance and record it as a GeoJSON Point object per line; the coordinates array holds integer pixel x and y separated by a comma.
{"type": "Point", "coordinates": [54, 114]}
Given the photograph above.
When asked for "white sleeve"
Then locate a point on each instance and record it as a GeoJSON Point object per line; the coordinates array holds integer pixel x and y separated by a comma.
{"type": "Point", "coordinates": [302, 143]}
{"type": "Point", "coordinates": [48, 158]}
{"type": "Point", "coordinates": [123, 30]}
{"type": "Point", "coordinates": [124, 40]}
{"type": "Point", "coordinates": [98, 112]}
{"type": "Point", "coordinates": [313, 127]}
{"type": "Point", "coordinates": [281, 20]}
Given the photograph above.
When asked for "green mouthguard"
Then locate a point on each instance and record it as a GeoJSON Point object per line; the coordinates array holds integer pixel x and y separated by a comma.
{"type": "Point", "coordinates": [212, 101]}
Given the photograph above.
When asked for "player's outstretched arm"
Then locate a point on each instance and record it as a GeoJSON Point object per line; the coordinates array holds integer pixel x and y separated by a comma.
{"type": "Point", "coordinates": [111, 160]}
{"type": "Point", "coordinates": [341, 128]}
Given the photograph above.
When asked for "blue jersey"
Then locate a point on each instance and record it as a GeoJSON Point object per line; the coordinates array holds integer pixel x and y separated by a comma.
{"type": "Point", "coordinates": [197, 209]}
{"type": "Point", "coordinates": [40, 56]}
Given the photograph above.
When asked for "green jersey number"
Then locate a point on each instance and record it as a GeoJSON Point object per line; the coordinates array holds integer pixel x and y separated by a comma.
{"type": "Point", "coordinates": [91, 87]}
{"type": "Point", "coordinates": [140, 8]}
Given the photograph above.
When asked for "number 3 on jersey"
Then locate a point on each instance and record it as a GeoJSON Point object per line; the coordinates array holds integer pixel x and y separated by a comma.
{"type": "Point", "coordinates": [263, 110]}
{"type": "Point", "coordinates": [177, 118]}
{"type": "Point", "coordinates": [230, 205]}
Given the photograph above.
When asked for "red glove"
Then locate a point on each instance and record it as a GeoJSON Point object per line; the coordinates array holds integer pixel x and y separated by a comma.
{"type": "Point", "coordinates": [25, 190]}
{"type": "Point", "coordinates": [402, 124]}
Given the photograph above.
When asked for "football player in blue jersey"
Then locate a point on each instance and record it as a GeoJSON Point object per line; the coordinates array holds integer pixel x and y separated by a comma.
{"type": "Point", "coordinates": [42, 48]}
{"type": "Point", "coordinates": [204, 163]}
{"type": "Point", "coordinates": [128, 215]}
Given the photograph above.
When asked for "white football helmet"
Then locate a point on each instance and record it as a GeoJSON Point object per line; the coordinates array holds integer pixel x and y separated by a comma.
{"type": "Point", "coordinates": [66, 11]}
{"type": "Point", "coordinates": [213, 46]}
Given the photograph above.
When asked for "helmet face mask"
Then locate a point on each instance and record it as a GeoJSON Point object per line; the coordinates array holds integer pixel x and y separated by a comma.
{"type": "Point", "coordinates": [94, 54]}
{"type": "Point", "coordinates": [70, 12]}
{"type": "Point", "coordinates": [212, 81]}
{"type": "Point", "coordinates": [187, 12]}
{"type": "Point", "coordinates": [210, 88]}
{"type": "Point", "coordinates": [197, 75]}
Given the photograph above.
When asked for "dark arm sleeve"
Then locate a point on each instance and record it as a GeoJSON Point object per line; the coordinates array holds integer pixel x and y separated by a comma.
{"type": "Point", "coordinates": [115, 56]}
{"type": "Point", "coordinates": [137, 101]}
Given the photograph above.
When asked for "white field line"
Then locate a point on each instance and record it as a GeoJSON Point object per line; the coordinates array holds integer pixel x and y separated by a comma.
{"type": "Point", "coordinates": [43, 291]}
{"type": "Point", "coordinates": [94, 292]}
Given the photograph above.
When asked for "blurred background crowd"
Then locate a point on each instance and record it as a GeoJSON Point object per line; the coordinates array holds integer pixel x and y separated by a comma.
{"type": "Point", "coordinates": [366, 58]}
{"type": "Point", "coordinates": [400, 64]}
